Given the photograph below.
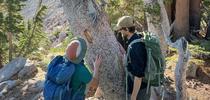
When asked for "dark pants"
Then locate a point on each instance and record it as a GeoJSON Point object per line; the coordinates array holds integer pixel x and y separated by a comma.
{"type": "Point", "coordinates": [143, 95]}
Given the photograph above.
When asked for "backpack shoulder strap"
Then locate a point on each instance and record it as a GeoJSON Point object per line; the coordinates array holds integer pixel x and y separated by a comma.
{"type": "Point", "coordinates": [69, 81]}
{"type": "Point", "coordinates": [133, 42]}
{"type": "Point", "coordinates": [130, 46]}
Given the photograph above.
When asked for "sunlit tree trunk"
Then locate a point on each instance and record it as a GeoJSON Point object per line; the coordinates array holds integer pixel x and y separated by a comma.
{"type": "Point", "coordinates": [181, 26]}
{"type": "Point", "coordinates": [89, 21]}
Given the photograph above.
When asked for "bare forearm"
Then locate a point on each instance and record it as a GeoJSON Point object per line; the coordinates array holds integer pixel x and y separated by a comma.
{"type": "Point", "coordinates": [93, 83]}
{"type": "Point", "coordinates": [136, 87]}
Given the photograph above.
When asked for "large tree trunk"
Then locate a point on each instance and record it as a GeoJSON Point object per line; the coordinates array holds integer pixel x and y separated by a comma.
{"type": "Point", "coordinates": [153, 20]}
{"type": "Point", "coordinates": [181, 27]}
{"type": "Point", "coordinates": [182, 46]}
{"type": "Point", "coordinates": [173, 8]}
{"type": "Point", "coordinates": [195, 16]}
{"type": "Point", "coordinates": [88, 21]}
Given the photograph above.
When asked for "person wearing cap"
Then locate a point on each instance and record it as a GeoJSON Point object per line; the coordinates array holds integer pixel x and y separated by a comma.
{"type": "Point", "coordinates": [135, 87]}
{"type": "Point", "coordinates": [82, 77]}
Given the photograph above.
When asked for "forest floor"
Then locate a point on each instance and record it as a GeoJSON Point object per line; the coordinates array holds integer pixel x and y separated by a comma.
{"type": "Point", "coordinates": [26, 89]}
{"type": "Point", "coordinates": [198, 88]}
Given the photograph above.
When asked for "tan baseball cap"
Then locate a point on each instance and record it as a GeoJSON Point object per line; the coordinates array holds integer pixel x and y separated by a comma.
{"type": "Point", "coordinates": [125, 21]}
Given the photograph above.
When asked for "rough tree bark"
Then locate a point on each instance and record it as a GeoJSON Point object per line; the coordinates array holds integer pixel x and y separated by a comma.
{"type": "Point", "coordinates": [181, 26]}
{"type": "Point", "coordinates": [195, 16]}
{"type": "Point", "coordinates": [87, 20]}
{"type": "Point", "coordinates": [182, 46]}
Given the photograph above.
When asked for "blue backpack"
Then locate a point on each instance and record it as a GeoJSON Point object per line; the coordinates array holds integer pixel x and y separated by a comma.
{"type": "Point", "coordinates": [58, 79]}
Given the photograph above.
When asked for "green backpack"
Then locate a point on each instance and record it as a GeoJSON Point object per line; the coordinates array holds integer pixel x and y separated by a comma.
{"type": "Point", "coordinates": [154, 71]}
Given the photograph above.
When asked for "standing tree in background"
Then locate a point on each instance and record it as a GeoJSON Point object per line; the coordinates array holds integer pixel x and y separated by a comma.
{"type": "Point", "coordinates": [13, 22]}
{"type": "Point", "coordinates": [33, 34]}
{"type": "Point", "coordinates": [11, 25]}
{"type": "Point", "coordinates": [181, 25]}
{"type": "Point", "coordinates": [88, 20]}
{"type": "Point", "coordinates": [16, 36]}
{"type": "Point", "coordinates": [195, 16]}
{"type": "Point", "coordinates": [191, 18]}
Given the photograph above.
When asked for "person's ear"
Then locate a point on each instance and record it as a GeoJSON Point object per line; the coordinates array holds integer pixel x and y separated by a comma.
{"type": "Point", "coordinates": [127, 29]}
